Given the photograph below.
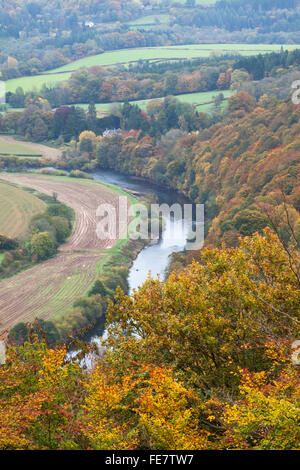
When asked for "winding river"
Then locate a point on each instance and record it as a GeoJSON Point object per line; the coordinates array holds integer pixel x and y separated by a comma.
{"type": "Point", "coordinates": [153, 258]}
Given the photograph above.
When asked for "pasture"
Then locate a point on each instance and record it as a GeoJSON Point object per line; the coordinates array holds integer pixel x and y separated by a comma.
{"type": "Point", "coordinates": [51, 287]}
{"type": "Point", "coordinates": [126, 56]}
{"type": "Point", "coordinates": [10, 146]}
{"type": "Point", "coordinates": [17, 207]}
{"type": "Point", "coordinates": [202, 100]}
{"type": "Point", "coordinates": [150, 20]}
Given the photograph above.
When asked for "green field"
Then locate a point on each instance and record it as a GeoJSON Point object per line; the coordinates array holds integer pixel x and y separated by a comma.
{"type": "Point", "coordinates": [9, 148]}
{"type": "Point", "coordinates": [201, 100]}
{"type": "Point", "coordinates": [150, 20]}
{"type": "Point", "coordinates": [17, 207]}
{"type": "Point", "coordinates": [125, 56]}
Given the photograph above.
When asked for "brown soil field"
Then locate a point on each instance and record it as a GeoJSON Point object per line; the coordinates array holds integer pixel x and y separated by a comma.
{"type": "Point", "coordinates": [52, 286]}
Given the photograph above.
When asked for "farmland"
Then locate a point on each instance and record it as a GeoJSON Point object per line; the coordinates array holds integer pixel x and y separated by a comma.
{"type": "Point", "coordinates": [150, 20]}
{"type": "Point", "coordinates": [51, 287]}
{"type": "Point", "coordinates": [17, 207]}
{"type": "Point", "coordinates": [10, 146]}
{"type": "Point", "coordinates": [126, 56]}
{"type": "Point", "coordinates": [202, 100]}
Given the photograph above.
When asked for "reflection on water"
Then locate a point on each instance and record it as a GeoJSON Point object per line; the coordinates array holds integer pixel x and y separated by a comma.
{"type": "Point", "coordinates": [154, 259]}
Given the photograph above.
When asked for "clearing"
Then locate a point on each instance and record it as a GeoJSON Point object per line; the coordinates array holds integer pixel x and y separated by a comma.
{"type": "Point", "coordinates": [51, 287]}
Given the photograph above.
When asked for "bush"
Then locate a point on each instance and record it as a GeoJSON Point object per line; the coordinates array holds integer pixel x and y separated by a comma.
{"type": "Point", "coordinates": [60, 210]}
{"type": "Point", "coordinates": [80, 174]}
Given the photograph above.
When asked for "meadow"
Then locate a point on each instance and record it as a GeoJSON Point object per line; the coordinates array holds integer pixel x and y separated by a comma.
{"type": "Point", "coordinates": [10, 146]}
{"type": "Point", "coordinates": [126, 56]}
{"type": "Point", "coordinates": [202, 100]}
{"type": "Point", "coordinates": [15, 148]}
{"type": "Point", "coordinates": [17, 207]}
{"type": "Point", "coordinates": [150, 20]}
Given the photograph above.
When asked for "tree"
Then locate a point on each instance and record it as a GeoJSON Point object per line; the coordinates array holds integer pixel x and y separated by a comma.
{"type": "Point", "coordinates": [40, 130]}
{"type": "Point", "coordinates": [7, 243]}
{"type": "Point", "coordinates": [98, 288]}
{"type": "Point", "coordinates": [266, 416]}
{"type": "Point", "coordinates": [92, 117]}
{"type": "Point", "coordinates": [225, 311]}
{"type": "Point", "coordinates": [238, 77]}
{"type": "Point", "coordinates": [42, 245]}
{"type": "Point", "coordinates": [87, 141]}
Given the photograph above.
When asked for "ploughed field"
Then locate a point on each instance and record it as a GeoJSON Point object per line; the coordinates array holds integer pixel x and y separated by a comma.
{"type": "Point", "coordinates": [52, 286]}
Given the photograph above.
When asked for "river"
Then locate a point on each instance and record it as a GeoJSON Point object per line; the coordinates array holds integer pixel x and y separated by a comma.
{"type": "Point", "coordinates": [153, 258]}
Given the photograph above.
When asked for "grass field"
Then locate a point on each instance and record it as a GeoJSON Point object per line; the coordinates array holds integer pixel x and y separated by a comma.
{"type": "Point", "coordinates": [17, 207]}
{"type": "Point", "coordinates": [125, 56]}
{"type": "Point", "coordinates": [10, 146]}
{"type": "Point", "coordinates": [51, 287]}
{"type": "Point", "coordinates": [14, 148]}
{"type": "Point", "coordinates": [151, 20]}
{"type": "Point", "coordinates": [202, 100]}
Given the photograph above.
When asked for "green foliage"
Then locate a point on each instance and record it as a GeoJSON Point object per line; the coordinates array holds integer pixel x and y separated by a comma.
{"type": "Point", "coordinates": [42, 245]}
{"type": "Point", "coordinates": [43, 329]}
{"type": "Point", "coordinates": [98, 288]}
{"type": "Point", "coordinates": [249, 221]}
{"type": "Point", "coordinates": [7, 243]}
